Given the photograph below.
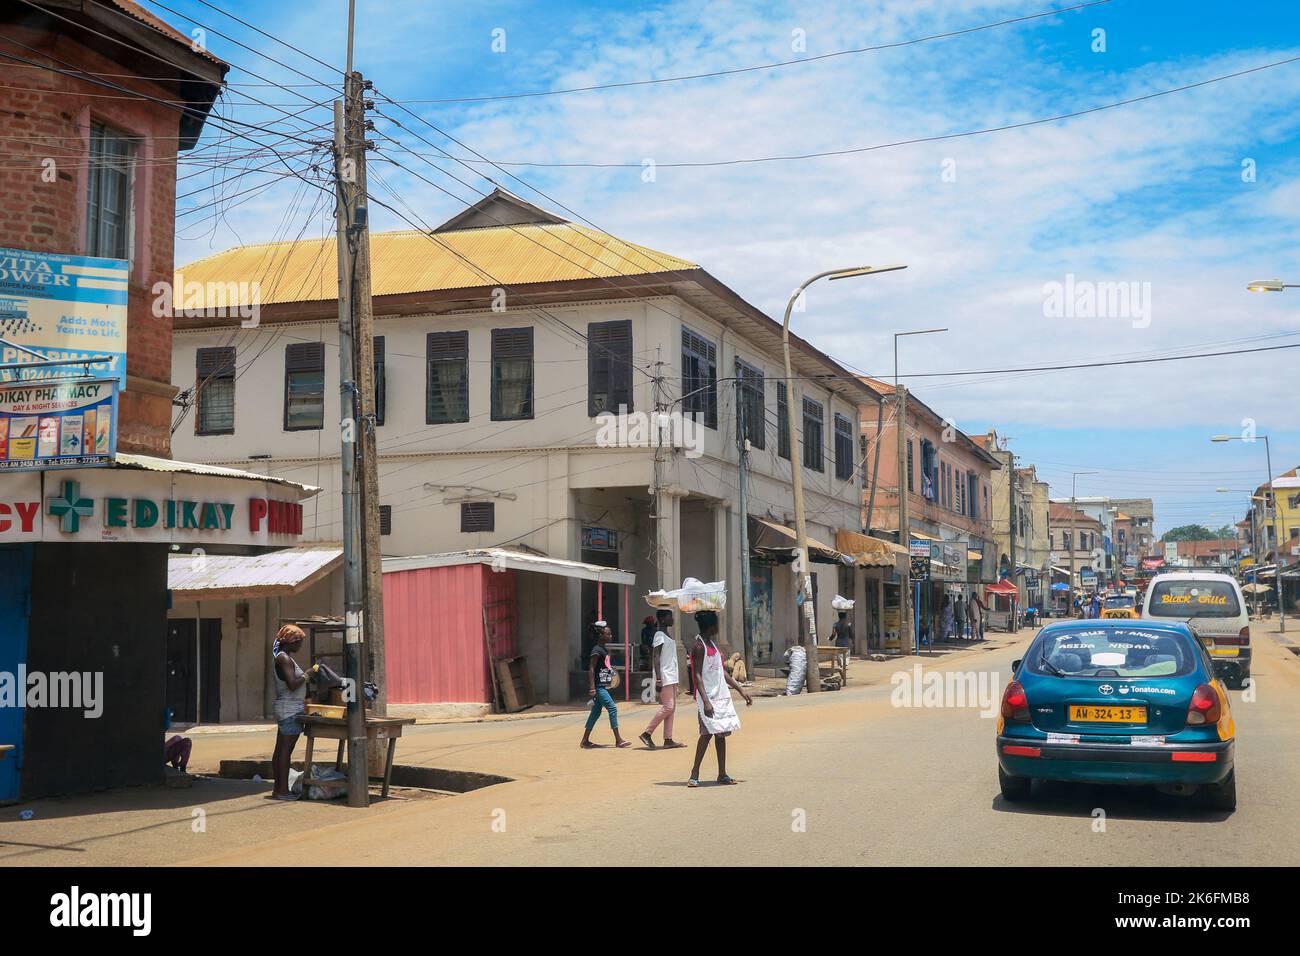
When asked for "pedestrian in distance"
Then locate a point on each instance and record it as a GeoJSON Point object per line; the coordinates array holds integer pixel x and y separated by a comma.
{"type": "Point", "coordinates": [842, 631]}
{"type": "Point", "coordinates": [601, 678]}
{"type": "Point", "coordinates": [713, 685]}
{"type": "Point", "coordinates": [664, 663]}
{"type": "Point", "coordinates": [974, 609]}
{"type": "Point", "coordinates": [289, 705]}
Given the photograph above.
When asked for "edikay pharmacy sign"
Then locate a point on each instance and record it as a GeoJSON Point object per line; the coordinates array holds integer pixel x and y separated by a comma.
{"type": "Point", "coordinates": [126, 505]}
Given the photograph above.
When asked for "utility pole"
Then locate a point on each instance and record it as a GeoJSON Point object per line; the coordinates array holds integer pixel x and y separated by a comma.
{"type": "Point", "coordinates": [742, 451]}
{"type": "Point", "coordinates": [364, 347]}
{"type": "Point", "coordinates": [906, 631]}
{"type": "Point", "coordinates": [347, 193]}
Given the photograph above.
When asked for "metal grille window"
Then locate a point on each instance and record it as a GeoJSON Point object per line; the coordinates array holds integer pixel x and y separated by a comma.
{"type": "Point", "coordinates": [843, 447]}
{"type": "Point", "coordinates": [477, 516]}
{"type": "Point", "coordinates": [751, 411]}
{"type": "Point", "coordinates": [304, 386]}
{"type": "Point", "coordinates": [609, 367]}
{"type": "Point", "coordinates": [512, 374]}
{"type": "Point", "coordinates": [699, 377]}
{"type": "Point", "coordinates": [110, 177]}
{"type": "Point", "coordinates": [385, 519]}
{"type": "Point", "coordinates": [782, 421]}
{"type": "Point", "coordinates": [911, 483]}
{"type": "Point", "coordinates": [381, 381]}
{"type": "Point", "coordinates": [447, 378]}
{"type": "Point", "coordinates": [214, 391]}
{"type": "Point", "coordinates": [814, 417]}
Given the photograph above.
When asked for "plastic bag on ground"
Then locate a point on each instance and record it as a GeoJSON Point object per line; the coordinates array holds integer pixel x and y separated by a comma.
{"type": "Point", "coordinates": [798, 659]}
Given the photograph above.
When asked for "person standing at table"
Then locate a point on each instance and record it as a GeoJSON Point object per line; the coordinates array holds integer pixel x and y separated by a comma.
{"type": "Point", "coordinates": [290, 703]}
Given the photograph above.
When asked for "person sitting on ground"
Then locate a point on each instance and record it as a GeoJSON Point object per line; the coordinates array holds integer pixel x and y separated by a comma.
{"type": "Point", "coordinates": [713, 685]}
{"type": "Point", "coordinates": [601, 675]}
{"type": "Point", "coordinates": [177, 752]}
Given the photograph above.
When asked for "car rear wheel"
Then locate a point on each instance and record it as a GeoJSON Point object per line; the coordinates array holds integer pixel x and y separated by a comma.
{"type": "Point", "coordinates": [1013, 788]}
{"type": "Point", "coordinates": [1222, 796]}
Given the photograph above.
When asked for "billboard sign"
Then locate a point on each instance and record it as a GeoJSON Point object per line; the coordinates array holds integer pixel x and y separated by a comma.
{"type": "Point", "coordinates": [66, 424]}
{"type": "Point", "coordinates": [64, 307]}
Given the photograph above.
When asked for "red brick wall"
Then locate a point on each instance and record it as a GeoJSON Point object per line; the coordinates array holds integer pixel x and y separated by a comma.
{"type": "Point", "coordinates": [45, 115]}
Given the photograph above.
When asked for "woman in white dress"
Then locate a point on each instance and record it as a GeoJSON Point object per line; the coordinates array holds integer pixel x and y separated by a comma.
{"type": "Point", "coordinates": [713, 685]}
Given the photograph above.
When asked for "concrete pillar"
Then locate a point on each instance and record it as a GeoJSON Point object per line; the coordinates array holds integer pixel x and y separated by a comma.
{"type": "Point", "coordinates": [564, 596]}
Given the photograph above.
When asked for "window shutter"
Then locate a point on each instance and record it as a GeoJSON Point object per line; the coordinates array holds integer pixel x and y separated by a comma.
{"type": "Point", "coordinates": [609, 366]}
{"type": "Point", "coordinates": [214, 362]}
{"type": "Point", "coordinates": [476, 516]}
{"type": "Point", "coordinates": [447, 345]}
{"type": "Point", "coordinates": [304, 357]}
{"type": "Point", "coordinates": [381, 380]}
{"type": "Point", "coordinates": [512, 343]}
{"type": "Point", "coordinates": [385, 519]}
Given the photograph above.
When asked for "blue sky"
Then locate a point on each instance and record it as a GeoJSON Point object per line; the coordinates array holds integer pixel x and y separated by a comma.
{"type": "Point", "coordinates": [1150, 195]}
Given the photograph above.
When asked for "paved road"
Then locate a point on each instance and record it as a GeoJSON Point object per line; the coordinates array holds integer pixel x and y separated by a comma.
{"type": "Point", "coordinates": [871, 783]}
{"type": "Point", "coordinates": [844, 778]}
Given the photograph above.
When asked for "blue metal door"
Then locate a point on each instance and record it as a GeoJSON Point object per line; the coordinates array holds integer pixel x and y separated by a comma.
{"type": "Point", "coordinates": [15, 589]}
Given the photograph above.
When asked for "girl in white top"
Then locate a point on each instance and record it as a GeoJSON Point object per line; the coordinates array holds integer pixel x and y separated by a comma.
{"type": "Point", "coordinates": [713, 686]}
{"type": "Point", "coordinates": [665, 670]}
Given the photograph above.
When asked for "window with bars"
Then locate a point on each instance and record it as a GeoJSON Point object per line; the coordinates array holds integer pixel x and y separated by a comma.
{"type": "Point", "coordinates": [911, 483]}
{"type": "Point", "coordinates": [477, 516]}
{"type": "Point", "coordinates": [751, 410]}
{"type": "Point", "coordinates": [110, 179]}
{"type": "Point", "coordinates": [446, 389]}
{"type": "Point", "coordinates": [385, 519]}
{"type": "Point", "coordinates": [512, 374]}
{"type": "Point", "coordinates": [782, 421]}
{"type": "Point", "coordinates": [214, 391]}
{"type": "Point", "coordinates": [972, 493]}
{"type": "Point", "coordinates": [843, 447]}
{"type": "Point", "coordinates": [699, 378]}
{"type": "Point", "coordinates": [381, 381]}
{"type": "Point", "coordinates": [304, 386]}
{"type": "Point", "coordinates": [814, 417]}
{"type": "Point", "coordinates": [609, 367]}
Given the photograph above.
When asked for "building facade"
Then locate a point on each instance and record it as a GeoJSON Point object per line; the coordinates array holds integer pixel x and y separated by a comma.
{"type": "Point", "coordinates": [548, 388]}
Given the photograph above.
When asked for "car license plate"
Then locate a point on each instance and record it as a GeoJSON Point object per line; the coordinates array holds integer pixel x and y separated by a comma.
{"type": "Point", "coordinates": [1107, 714]}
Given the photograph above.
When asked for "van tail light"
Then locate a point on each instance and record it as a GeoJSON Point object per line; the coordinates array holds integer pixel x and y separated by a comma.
{"type": "Point", "coordinates": [1015, 705]}
{"type": "Point", "coordinates": [1205, 707]}
{"type": "Point", "coordinates": [1241, 640]}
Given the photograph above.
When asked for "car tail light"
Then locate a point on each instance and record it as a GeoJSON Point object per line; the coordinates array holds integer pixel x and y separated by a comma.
{"type": "Point", "coordinates": [1015, 705]}
{"type": "Point", "coordinates": [1205, 706]}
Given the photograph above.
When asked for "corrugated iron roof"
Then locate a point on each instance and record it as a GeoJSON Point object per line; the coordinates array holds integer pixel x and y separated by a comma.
{"type": "Point", "coordinates": [149, 463]}
{"type": "Point", "coordinates": [134, 10]}
{"type": "Point", "coordinates": [415, 261]}
{"type": "Point", "coordinates": [224, 576]}
{"type": "Point", "coordinates": [517, 560]}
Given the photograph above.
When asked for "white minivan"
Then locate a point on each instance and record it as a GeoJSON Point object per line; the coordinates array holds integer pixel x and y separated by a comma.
{"type": "Point", "coordinates": [1215, 606]}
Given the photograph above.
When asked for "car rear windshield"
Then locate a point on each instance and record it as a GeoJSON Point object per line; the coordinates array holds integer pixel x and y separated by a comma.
{"type": "Point", "coordinates": [1111, 652]}
{"type": "Point", "coordinates": [1113, 602]}
{"type": "Point", "coordinates": [1194, 598]}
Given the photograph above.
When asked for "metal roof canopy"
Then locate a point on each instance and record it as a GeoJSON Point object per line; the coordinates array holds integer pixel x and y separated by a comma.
{"type": "Point", "coordinates": [504, 558]}
{"type": "Point", "coordinates": [168, 465]}
{"type": "Point", "coordinates": [218, 577]}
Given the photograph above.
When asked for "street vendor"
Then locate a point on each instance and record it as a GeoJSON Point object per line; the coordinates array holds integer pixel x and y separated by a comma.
{"type": "Point", "coordinates": [290, 703]}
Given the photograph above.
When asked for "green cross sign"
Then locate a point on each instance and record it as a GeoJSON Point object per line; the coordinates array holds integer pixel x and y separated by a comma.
{"type": "Point", "coordinates": [70, 507]}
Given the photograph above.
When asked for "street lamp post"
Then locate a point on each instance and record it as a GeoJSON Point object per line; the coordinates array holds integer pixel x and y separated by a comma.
{"type": "Point", "coordinates": [1074, 477]}
{"type": "Point", "coordinates": [909, 605]}
{"type": "Point", "coordinates": [809, 637]}
{"type": "Point", "coordinates": [1277, 534]}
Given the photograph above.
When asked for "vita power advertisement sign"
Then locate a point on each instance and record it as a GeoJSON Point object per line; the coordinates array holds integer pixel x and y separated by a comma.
{"type": "Point", "coordinates": [64, 307]}
{"type": "Point", "coordinates": [68, 424]}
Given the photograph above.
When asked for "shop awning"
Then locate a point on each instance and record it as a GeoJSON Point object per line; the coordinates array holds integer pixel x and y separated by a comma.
{"type": "Point", "coordinates": [505, 558]}
{"type": "Point", "coordinates": [973, 555]}
{"type": "Point", "coordinates": [217, 577]}
{"type": "Point", "coordinates": [777, 541]}
{"type": "Point", "coordinates": [867, 551]}
{"type": "Point", "coordinates": [1002, 587]}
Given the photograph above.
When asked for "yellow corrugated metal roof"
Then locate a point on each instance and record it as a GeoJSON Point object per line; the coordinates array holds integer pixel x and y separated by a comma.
{"type": "Point", "coordinates": [413, 261]}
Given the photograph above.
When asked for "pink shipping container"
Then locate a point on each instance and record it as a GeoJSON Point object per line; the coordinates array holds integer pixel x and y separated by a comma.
{"type": "Point", "coordinates": [433, 632]}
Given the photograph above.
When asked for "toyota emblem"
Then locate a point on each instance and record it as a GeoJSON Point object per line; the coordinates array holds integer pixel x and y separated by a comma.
{"type": "Point", "coordinates": [1106, 689]}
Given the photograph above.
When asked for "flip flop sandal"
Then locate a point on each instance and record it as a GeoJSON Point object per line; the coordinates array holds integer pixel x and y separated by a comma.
{"type": "Point", "coordinates": [692, 783]}
{"type": "Point", "coordinates": [724, 779]}
{"type": "Point", "coordinates": [626, 743]}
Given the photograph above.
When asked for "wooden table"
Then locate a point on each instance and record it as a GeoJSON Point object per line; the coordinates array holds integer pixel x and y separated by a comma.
{"type": "Point", "coordinates": [336, 728]}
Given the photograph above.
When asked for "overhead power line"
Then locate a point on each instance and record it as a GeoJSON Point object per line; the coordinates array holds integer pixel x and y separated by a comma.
{"type": "Point", "coordinates": [779, 64]}
{"type": "Point", "coordinates": [849, 151]}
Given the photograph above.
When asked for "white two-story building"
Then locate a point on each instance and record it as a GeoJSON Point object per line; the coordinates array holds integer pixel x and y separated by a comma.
{"type": "Point", "coordinates": [524, 366]}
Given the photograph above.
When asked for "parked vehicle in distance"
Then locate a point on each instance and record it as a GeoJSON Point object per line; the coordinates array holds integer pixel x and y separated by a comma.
{"type": "Point", "coordinates": [1121, 606]}
{"type": "Point", "coordinates": [1118, 702]}
{"type": "Point", "coordinates": [1213, 603]}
